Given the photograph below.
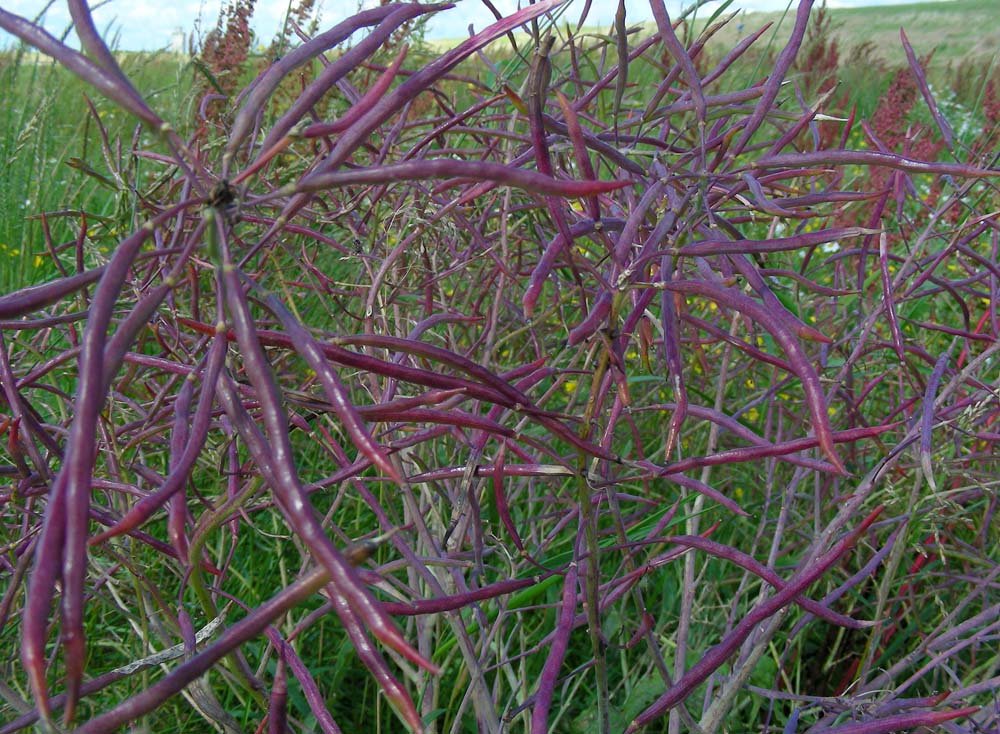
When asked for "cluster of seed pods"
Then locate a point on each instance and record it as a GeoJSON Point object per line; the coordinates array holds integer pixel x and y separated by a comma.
{"type": "Point", "coordinates": [665, 243]}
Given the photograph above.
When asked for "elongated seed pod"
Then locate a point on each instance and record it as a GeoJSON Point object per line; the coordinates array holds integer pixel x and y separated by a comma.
{"type": "Point", "coordinates": [284, 477]}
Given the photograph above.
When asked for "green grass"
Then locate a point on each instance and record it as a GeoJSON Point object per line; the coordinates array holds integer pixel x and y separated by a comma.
{"type": "Point", "coordinates": [954, 30]}
{"type": "Point", "coordinates": [52, 158]}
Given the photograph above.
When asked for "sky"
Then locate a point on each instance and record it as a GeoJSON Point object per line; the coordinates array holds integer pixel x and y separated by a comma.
{"type": "Point", "coordinates": [159, 24]}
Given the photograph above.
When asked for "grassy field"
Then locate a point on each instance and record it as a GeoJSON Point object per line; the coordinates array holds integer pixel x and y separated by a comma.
{"type": "Point", "coordinates": [955, 31]}
{"type": "Point", "coordinates": [53, 157]}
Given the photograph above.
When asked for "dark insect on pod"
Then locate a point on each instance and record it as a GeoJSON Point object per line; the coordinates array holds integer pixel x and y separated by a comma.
{"type": "Point", "coordinates": [222, 195]}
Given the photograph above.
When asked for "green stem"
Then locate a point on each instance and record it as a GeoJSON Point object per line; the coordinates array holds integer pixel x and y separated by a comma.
{"type": "Point", "coordinates": [208, 523]}
{"type": "Point", "coordinates": [589, 519]}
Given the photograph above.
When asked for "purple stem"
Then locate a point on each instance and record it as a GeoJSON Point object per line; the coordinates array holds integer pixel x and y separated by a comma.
{"type": "Point", "coordinates": [870, 158]}
{"type": "Point", "coordinates": [500, 499]}
{"type": "Point", "coordinates": [599, 313]}
{"type": "Point", "coordinates": [457, 170]}
{"type": "Point", "coordinates": [90, 39]}
{"type": "Point", "coordinates": [815, 398]}
{"type": "Point", "coordinates": [513, 397]}
{"type": "Point", "coordinates": [579, 150]}
{"type": "Point", "coordinates": [927, 416]}
{"type": "Point", "coordinates": [672, 356]}
{"type": "Point", "coordinates": [751, 564]}
{"type": "Point", "coordinates": [681, 55]}
{"type": "Point", "coordinates": [78, 466]}
{"type": "Point", "coordinates": [772, 87]}
{"type": "Point", "coordinates": [713, 494]}
{"type": "Point", "coordinates": [451, 417]}
{"type": "Point", "coordinates": [752, 453]}
{"type": "Point", "coordinates": [48, 552]}
{"type": "Point", "coordinates": [550, 255]}
{"type": "Point", "coordinates": [374, 661]}
{"type": "Point", "coordinates": [887, 298]}
{"type": "Point", "coordinates": [253, 624]}
{"type": "Point", "coordinates": [103, 80]}
{"type": "Point", "coordinates": [738, 50]}
{"type": "Point", "coordinates": [557, 651]}
{"type": "Point", "coordinates": [773, 304]}
{"type": "Point", "coordinates": [422, 79]}
{"type": "Point", "coordinates": [858, 577]}
{"type": "Point", "coordinates": [428, 378]}
{"type": "Point", "coordinates": [399, 97]}
{"type": "Point", "coordinates": [186, 459]}
{"type": "Point", "coordinates": [344, 64]}
{"type": "Point", "coordinates": [277, 711]}
{"type": "Point", "coordinates": [420, 607]}
{"type": "Point", "coordinates": [265, 86]}
{"type": "Point", "coordinates": [334, 389]}
{"type": "Point", "coordinates": [310, 690]}
{"type": "Point", "coordinates": [942, 124]}
{"type": "Point", "coordinates": [284, 478]}
{"type": "Point", "coordinates": [636, 218]}
{"type": "Point", "coordinates": [717, 656]}
{"type": "Point", "coordinates": [706, 248]}
{"type": "Point", "coordinates": [26, 300]}
{"type": "Point", "coordinates": [900, 722]}
{"type": "Point", "coordinates": [743, 346]}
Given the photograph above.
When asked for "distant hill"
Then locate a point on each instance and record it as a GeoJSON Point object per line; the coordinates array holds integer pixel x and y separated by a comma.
{"type": "Point", "coordinates": [956, 29]}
